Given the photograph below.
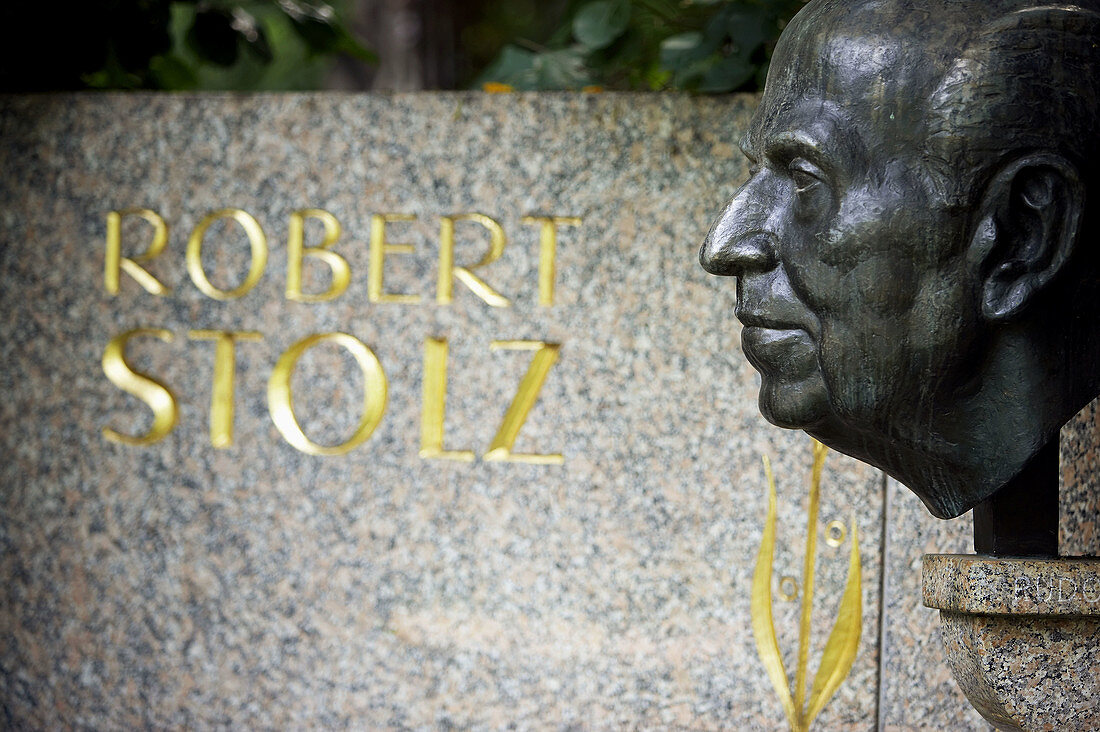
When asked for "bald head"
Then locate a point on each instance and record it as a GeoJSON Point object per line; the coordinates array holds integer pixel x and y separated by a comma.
{"type": "Point", "coordinates": [962, 77]}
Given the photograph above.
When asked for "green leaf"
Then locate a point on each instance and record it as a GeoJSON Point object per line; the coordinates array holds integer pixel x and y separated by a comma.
{"type": "Point", "coordinates": [726, 75]}
{"type": "Point", "coordinates": [549, 70]}
{"type": "Point", "coordinates": [293, 67]}
{"type": "Point", "coordinates": [562, 69]}
{"type": "Point", "coordinates": [299, 10]}
{"type": "Point", "coordinates": [682, 49]}
{"type": "Point", "coordinates": [514, 65]}
{"type": "Point", "coordinates": [321, 28]}
{"type": "Point", "coordinates": [599, 23]}
{"type": "Point", "coordinates": [252, 35]}
{"type": "Point", "coordinates": [170, 72]}
{"type": "Point", "coordinates": [656, 78]}
{"type": "Point", "coordinates": [748, 30]}
{"type": "Point", "coordinates": [350, 46]}
{"type": "Point", "coordinates": [320, 35]}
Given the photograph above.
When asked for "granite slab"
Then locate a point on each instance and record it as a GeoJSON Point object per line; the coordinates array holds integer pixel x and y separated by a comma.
{"type": "Point", "coordinates": [1079, 485]}
{"type": "Point", "coordinates": [179, 584]}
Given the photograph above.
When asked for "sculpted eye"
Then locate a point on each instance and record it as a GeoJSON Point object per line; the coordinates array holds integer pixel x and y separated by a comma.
{"type": "Point", "coordinates": [754, 162]}
{"type": "Point", "coordinates": [806, 175]}
{"type": "Point", "coordinates": [754, 165]}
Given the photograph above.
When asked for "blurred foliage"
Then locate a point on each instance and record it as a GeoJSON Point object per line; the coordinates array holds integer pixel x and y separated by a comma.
{"type": "Point", "coordinates": [491, 25]}
{"type": "Point", "coordinates": [172, 44]}
{"type": "Point", "coordinates": [708, 46]}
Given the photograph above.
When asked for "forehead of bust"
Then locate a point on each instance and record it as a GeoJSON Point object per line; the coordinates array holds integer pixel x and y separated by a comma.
{"type": "Point", "coordinates": [874, 63]}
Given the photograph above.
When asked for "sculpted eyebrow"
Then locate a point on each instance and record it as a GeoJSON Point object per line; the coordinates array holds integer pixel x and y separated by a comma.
{"type": "Point", "coordinates": [786, 142]}
{"type": "Point", "coordinates": [788, 145]}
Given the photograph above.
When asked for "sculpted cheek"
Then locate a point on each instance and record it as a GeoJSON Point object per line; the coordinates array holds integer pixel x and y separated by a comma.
{"type": "Point", "coordinates": [874, 286]}
{"type": "Point", "coordinates": [884, 284]}
{"type": "Point", "coordinates": [941, 310]}
{"type": "Point", "coordinates": [849, 369]}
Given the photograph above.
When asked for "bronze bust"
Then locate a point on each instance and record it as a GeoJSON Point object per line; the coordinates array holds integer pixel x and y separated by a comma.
{"type": "Point", "coordinates": [916, 250]}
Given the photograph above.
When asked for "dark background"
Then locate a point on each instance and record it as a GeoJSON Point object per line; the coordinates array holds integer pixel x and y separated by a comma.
{"type": "Point", "coordinates": [707, 46]}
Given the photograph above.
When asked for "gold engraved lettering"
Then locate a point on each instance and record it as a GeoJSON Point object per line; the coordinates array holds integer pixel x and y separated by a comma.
{"type": "Point", "coordinates": [155, 394]}
{"type": "Point", "coordinates": [280, 400]}
{"type": "Point", "coordinates": [546, 354]}
{"type": "Point", "coordinates": [434, 404]}
{"type": "Point", "coordinates": [259, 254]}
{"type": "Point", "coordinates": [296, 251]}
{"type": "Point", "coordinates": [225, 371]}
{"type": "Point", "coordinates": [115, 262]}
{"type": "Point", "coordinates": [548, 251]}
{"type": "Point", "coordinates": [379, 248]}
{"type": "Point", "coordinates": [448, 271]}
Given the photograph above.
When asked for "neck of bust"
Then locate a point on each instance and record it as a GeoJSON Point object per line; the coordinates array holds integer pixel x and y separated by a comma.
{"type": "Point", "coordinates": [955, 458]}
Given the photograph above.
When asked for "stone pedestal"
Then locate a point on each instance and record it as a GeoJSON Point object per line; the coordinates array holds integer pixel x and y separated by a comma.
{"type": "Point", "coordinates": [1022, 636]}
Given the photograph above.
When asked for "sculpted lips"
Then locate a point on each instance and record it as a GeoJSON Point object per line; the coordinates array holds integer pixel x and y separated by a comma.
{"type": "Point", "coordinates": [776, 346]}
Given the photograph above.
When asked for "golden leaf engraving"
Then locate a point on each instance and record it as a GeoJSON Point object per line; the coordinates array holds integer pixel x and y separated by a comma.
{"type": "Point", "coordinates": [843, 643]}
{"type": "Point", "coordinates": [840, 649]}
{"type": "Point", "coordinates": [763, 625]}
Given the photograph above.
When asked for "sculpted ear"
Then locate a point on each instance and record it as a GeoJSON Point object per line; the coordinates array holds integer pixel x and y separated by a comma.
{"type": "Point", "coordinates": [1029, 224]}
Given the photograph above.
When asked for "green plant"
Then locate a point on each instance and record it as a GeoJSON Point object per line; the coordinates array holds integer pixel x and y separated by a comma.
{"type": "Point", "coordinates": [174, 44]}
{"type": "Point", "coordinates": [708, 46]}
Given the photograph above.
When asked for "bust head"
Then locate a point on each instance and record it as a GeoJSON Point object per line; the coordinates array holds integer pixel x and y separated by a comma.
{"type": "Point", "coordinates": [915, 252]}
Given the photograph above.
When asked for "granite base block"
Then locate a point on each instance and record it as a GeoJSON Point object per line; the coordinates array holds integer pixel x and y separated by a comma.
{"type": "Point", "coordinates": [1022, 637]}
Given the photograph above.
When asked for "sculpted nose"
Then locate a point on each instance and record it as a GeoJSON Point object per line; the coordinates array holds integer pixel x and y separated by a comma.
{"type": "Point", "coordinates": [733, 247]}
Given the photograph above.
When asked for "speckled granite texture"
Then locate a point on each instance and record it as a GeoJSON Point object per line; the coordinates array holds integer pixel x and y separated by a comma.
{"type": "Point", "coordinates": [259, 587]}
{"type": "Point", "coordinates": [966, 583]}
{"type": "Point", "coordinates": [911, 646]}
{"type": "Point", "coordinates": [1079, 510]}
{"type": "Point", "coordinates": [918, 690]}
{"type": "Point", "coordinates": [1028, 672]}
{"type": "Point", "coordinates": [1022, 636]}
{"type": "Point", "coordinates": [181, 585]}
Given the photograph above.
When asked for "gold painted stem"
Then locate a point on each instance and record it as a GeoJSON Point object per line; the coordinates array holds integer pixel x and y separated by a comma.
{"type": "Point", "coordinates": [808, 584]}
{"type": "Point", "coordinates": [843, 643]}
{"type": "Point", "coordinates": [763, 622]}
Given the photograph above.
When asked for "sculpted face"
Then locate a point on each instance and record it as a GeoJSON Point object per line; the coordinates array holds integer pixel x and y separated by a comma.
{"type": "Point", "coordinates": [915, 262]}
{"type": "Point", "coordinates": [850, 282]}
